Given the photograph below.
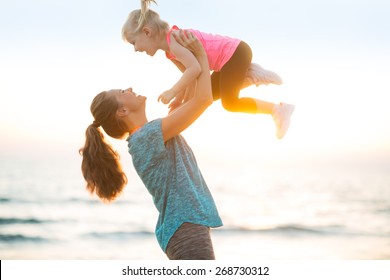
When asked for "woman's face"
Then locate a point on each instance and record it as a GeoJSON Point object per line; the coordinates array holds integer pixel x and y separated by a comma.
{"type": "Point", "coordinates": [128, 99]}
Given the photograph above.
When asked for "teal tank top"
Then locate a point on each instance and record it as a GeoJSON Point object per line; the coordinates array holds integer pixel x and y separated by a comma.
{"type": "Point", "coordinates": [171, 175]}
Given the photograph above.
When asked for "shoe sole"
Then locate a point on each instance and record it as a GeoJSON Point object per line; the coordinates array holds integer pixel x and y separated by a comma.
{"type": "Point", "coordinates": [286, 125]}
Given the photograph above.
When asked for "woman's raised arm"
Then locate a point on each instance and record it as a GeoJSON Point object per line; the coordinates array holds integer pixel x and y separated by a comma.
{"type": "Point", "coordinates": [187, 113]}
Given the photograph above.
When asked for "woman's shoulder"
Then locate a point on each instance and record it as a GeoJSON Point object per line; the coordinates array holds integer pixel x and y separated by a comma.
{"type": "Point", "coordinates": [147, 138]}
{"type": "Point", "coordinates": [148, 128]}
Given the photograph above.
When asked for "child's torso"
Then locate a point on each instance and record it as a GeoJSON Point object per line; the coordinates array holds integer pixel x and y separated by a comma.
{"type": "Point", "coordinates": [219, 48]}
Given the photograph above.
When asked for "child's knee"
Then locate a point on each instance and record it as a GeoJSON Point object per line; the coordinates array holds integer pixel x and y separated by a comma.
{"type": "Point", "coordinates": [230, 105]}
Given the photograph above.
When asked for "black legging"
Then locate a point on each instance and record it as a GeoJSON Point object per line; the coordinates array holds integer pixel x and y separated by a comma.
{"type": "Point", "coordinates": [227, 83]}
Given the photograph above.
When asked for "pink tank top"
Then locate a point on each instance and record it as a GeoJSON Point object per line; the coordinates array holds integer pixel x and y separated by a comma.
{"type": "Point", "coordinates": [219, 48]}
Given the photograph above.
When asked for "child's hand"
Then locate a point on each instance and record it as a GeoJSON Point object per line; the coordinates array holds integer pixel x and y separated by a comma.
{"type": "Point", "coordinates": [167, 96]}
{"type": "Point", "coordinates": [176, 103]}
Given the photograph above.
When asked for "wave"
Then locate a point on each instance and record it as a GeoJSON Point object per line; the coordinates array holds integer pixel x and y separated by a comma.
{"type": "Point", "coordinates": [9, 221]}
{"type": "Point", "coordinates": [383, 210]}
{"type": "Point", "coordinates": [96, 201]}
{"type": "Point", "coordinates": [20, 238]}
{"type": "Point", "coordinates": [71, 200]}
{"type": "Point", "coordinates": [119, 234]}
{"type": "Point", "coordinates": [42, 201]}
{"type": "Point", "coordinates": [284, 230]}
{"type": "Point", "coordinates": [289, 229]}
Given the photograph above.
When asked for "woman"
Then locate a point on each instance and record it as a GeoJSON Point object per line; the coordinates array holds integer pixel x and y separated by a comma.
{"type": "Point", "coordinates": [162, 159]}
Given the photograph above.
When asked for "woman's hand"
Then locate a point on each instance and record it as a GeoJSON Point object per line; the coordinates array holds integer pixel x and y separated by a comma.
{"type": "Point", "coordinates": [188, 40]}
{"type": "Point", "coordinates": [181, 118]}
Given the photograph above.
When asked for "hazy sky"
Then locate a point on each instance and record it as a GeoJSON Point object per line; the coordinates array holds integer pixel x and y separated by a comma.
{"type": "Point", "coordinates": [333, 56]}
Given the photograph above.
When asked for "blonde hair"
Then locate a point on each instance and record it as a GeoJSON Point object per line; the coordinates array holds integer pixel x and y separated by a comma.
{"type": "Point", "coordinates": [137, 19]}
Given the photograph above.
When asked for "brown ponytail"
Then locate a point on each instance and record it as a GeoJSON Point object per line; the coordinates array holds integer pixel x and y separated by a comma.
{"type": "Point", "coordinates": [100, 166]}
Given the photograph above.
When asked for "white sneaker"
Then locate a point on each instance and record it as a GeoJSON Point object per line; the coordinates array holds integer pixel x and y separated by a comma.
{"type": "Point", "coordinates": [261, 76]}
{"type": "Point", "coordinates": [281, 115]}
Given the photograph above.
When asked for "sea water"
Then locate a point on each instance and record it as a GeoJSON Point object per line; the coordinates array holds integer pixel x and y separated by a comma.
{"type": "Point", "coordinates": [301, 212]}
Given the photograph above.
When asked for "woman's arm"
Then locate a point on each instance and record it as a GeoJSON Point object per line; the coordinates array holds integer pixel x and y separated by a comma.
{"type": "Point", "coordinates": [187, 63]}
{"type": "Point", "coordinates": [182, 97]}
{"type": "Point", "coordinates": [186, 114]}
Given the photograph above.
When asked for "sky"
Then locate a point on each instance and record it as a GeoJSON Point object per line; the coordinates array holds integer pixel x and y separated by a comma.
{"type": "Point", "coordinates": [333, 56]}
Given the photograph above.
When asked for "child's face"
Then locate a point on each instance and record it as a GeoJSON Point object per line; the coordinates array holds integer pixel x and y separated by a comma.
{"type": "Point", "coordinates": [143, 42]}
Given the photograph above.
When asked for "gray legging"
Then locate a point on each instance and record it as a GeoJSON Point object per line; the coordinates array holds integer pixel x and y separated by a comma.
{"type": "Point", "coordinates": [191, 242]}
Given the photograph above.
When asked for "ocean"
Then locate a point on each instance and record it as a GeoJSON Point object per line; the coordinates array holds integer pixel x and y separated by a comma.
{"type": "Point", "coordinates": [305, 212]}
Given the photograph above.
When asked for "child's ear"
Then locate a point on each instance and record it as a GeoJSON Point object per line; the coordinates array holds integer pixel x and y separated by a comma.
{"type": "Point", "coordinates": [148, 31]}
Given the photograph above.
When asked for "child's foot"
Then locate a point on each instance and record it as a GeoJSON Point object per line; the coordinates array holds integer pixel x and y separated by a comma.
{"type": "Point", "coordinates": [261, 76]}
{"type": "Point", "coordinates": [281, 114]}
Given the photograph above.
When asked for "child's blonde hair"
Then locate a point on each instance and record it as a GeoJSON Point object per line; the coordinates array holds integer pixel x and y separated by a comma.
{"type": "Point", "coordinates": [137, 19]}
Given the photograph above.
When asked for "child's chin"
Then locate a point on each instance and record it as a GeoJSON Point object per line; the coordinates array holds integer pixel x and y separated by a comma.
{"type": "Point", "coordinates": [151, 54]}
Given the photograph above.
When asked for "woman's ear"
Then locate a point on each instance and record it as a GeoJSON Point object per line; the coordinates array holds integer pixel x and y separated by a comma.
{"type": "Point", "coordinates": [122, 112]}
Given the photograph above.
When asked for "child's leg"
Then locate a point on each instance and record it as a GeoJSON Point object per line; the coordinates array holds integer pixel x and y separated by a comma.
{"type": "Point", "coordinates": [191, 242]}
{"type": "Point", "coordinates": [228, 83]}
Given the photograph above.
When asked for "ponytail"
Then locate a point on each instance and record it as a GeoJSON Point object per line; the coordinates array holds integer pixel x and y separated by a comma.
{"type": "Point", "coordinates": [101, 165]}
{"type": "Point", "coordinates": [137, 19]}
{"type": "Point", "coordinates": [144, 11]}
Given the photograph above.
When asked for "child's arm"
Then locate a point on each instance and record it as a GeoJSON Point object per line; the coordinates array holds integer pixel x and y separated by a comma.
{"type": "Point", "coordinates": [179, 65]}
{"type": "Point", "coordinates": [182, 97]}
{"type": "Point", "coordinates": [191, 68]}
{"type": "Point", "coordinates": [186, 114]}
